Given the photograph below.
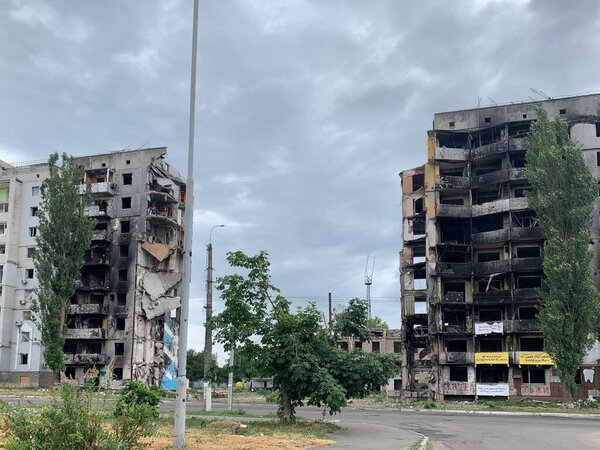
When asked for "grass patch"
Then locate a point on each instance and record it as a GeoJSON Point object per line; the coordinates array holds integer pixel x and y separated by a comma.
{"type": "Point", "coordinates": [217, 435]}
{"type": "Point", "coordinates": [417, 444]}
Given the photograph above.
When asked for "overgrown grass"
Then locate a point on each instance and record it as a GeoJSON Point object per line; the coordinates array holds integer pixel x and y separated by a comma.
{"type": "Point", "coordinates": [417, 444]}
{"type": "Point", "coordinates": [502, 405]}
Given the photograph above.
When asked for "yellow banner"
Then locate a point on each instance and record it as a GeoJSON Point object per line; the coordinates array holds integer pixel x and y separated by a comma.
{"type": "Point", "coordinates": [535, 359]}
{"type": "Point", "coordinates": [491, 358]}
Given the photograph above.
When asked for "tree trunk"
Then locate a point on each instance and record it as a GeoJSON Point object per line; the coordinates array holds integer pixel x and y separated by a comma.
{"type": "Point", "coordinates": [567, 398]}
{"type": "Point", "coordinates": [286, 406]}
{"type": "Point", "coordinates": [62, 314]}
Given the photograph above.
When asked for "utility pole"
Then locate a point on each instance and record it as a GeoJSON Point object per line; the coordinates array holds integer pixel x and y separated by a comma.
{"type": "Point", "coordinates": [207, 326]}
{"type": "Point", "coordinates": [330, 314]}
{"type": "Point", "coordinates": [181, 387]}
{"type": "Point", "coordinates": [230, 380]}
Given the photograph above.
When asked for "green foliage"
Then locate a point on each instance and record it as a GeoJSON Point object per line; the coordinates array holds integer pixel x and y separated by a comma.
{"type": "Point", "coordinates": [352, 320]}
{"type": "Point", "coordinates": [563, 194]}
{"type": "Point", "coordinates": [135, 393]}
{"type": "Point", "coordinates": [294, 347]}
{"type": "Point", "coordinates": [377, 323]}
{"type": "Point", "coordinates": [78, 420]}
{"type": "Point", "coordinates": [429, 404]}
{"type": "Point", "coordinates": [64, 234]}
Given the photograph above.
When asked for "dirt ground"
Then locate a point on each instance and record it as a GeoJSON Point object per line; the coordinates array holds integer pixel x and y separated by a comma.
{"type": "Point", "coordinates": [205, 439]}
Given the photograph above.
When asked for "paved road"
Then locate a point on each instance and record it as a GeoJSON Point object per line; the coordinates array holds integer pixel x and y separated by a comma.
{"type": "Point", "coordinates": [389, 429]}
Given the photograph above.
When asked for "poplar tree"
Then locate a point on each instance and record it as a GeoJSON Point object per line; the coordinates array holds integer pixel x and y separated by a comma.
{"type": "Point", "coordinates": [64, 234]}
{"type": "Point", "coordinates": [562, 195]}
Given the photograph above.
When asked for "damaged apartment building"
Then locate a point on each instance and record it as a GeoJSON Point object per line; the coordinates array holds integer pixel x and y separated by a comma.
{"type": "Point", "coordinates": [471, 262]}
{"type": "Point", "coordinates": [123, 317]}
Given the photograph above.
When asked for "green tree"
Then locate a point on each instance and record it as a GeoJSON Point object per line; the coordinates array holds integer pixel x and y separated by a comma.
{"type": "Point", "coordinates": [294, 347]}
{"type": "Point", "coordinates": [64, 234]}
{"type": "Point", "coordinates": [351, 321]}
{"type": "Point", "coordinates": [562, 195]}
{"type": "Point", "coordinates": [195, 366]}
{"type": "Point", "coordinates": [377, 323]}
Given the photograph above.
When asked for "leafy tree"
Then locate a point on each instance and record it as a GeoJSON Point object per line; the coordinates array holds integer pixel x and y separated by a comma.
{"type": "Point", "coordinates": [352, 320]}
{"type": "Point", "coordinates": [377, 323]}
{"type": "Point", "coordinates": [64, 234]}
{"type": "Point", "coordinates": [294, 347]}
{"type": "Point", "coordinates": [195, 366]}
{"type": "Point", "coordinates": [563, 196]}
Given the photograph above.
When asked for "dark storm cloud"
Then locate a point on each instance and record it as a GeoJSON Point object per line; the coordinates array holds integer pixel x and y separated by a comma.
{"type": "Point", "coordinates": [307, 110]}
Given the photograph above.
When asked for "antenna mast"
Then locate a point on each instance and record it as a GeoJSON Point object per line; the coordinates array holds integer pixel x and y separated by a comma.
{"type": "Point", "coordinates": [369, 281]}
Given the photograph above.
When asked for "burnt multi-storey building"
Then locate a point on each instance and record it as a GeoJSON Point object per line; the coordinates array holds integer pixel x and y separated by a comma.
{"type": "Point", "coordinates": [123, 317]}
{"type": "Point", "coordinates": [471, 262]}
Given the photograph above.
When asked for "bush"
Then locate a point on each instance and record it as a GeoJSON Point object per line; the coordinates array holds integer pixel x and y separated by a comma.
{"type": "Point", "coordinates": [429, 404]}
{"type": "Point", "coordinates": [80, 420]}
{"type": "Point", "coordinates": [135, 393]}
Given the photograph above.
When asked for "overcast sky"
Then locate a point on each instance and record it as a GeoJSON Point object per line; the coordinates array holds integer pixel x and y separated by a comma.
{"type": "Point", "coordinates": [306, 110]}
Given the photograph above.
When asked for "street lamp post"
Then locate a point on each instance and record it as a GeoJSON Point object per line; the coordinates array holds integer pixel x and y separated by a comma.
{"type": "Point", "coordinates": [181, 387]}
{"type": "Point", "coordinates": [207, 325]}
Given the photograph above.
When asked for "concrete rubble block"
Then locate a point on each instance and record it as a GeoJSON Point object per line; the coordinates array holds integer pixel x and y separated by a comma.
{"type": "Point", "coordinates": [157, 283]}
{"type": "Point", "coordinates": [157, 307]}
{"type": "Point", "coordinates": [158, 251]}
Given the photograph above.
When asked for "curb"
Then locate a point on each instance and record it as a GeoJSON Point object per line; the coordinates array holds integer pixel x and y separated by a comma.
{"type": "Point", "coordinates": [504, 413]}
{"type": "Point", "coordinates": [425, 443]}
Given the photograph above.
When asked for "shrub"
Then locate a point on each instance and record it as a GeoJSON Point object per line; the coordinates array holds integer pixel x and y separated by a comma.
{"type": "Point", "coordinates": [429, 404]}
{"type": "Point", "coordinates": [78, 420]}
{"type": "Point", "coordinates": [135, 393]}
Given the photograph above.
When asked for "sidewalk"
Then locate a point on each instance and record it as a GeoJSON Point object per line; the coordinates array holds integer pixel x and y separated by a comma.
{"type": "Point", "coordinates": [573, 415]}
{"type": "Point", "coordinates": [370, 436]}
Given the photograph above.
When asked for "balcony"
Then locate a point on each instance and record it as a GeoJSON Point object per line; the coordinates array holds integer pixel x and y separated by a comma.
{"type": "Point", "coordinates": [490, 237]}
{"type": "Point", "coordinates": [88, 309]}
{"type": "Point", "coordinates": [522, 326]}
{"type": "Point", "coordinates": [73, 359]}
{"type": "Point", "coordinates": [94, 285]}
{"type": "Point", "coordinates": [492, 297]}
{"type": "Point", "coordinates": [85, 333]}
{"type": "Point", "coordinates": [162, 215]}
{"type": "Point", "coordinates": [96, 211]}
{"type": "Point", "coordinates": [493, 149]}
{"type": "Point", "coordinates": [102, 235]}
{"type": "Point", "coordinates": [451, 182]}
{"type": "Point", "coordinates": [525, 294]}
{"type": "Point", "coordinates": [457, 211]}
{"type": "Point", "coordinates": [533, 264]}
{"type": "Point", "coordinates": [501, 205]}
{"type": "Point", "coordinates": [452, 268]}
{"type": "Point", "coordinates": [527, 234]}
{"type": "Point", "coordinates": [451, 154]}
{"type": "Point", "coordinates": [487, 328]}
{"type": "Point", "coordinates": [489, 267]}
{"type": "Point", "coordinates": [517, 144]}
{"type": "Point", "coordinates": [98, 189]}
{"type": "Point", "coordinates": [454, 298]}
{"type": "Point", "coordinates": [460, 358]}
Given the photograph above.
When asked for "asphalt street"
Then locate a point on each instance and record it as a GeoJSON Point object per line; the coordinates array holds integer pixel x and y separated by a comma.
{"type": "Point", "coordinates": [393, 429]}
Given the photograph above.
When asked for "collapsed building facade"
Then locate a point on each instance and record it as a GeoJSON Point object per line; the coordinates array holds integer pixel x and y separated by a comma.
{"type": "Point", "coordinates": [471, 262]}
{"type": "Point", "coordinates": [123, 318]}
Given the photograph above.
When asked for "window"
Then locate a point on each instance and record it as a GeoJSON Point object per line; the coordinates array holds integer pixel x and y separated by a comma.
{"type": "Point", "coordinates": [534, 376]}
{"type": "Point", "coordinates": [124, 226]}
{"type": "Point", "coordinates": [29, 273]}
{"type": "Point", "coordinates": [397, 347]}
{"type": "Point", "coordinates": [459, 345]}
{"type": "Point", "coordinates": [487, 120]}
{"type": "Point", "coordinates": [376, 347]}
{"type": "Point", "coordinates": [492, 374]}
{"type": "Point", "coordinates": [25, 336]}
{"type": "Point", "coordinates": [490, 315]}
{"type": "Point", "coordinates": [118, 373]}
{"type": "Point", "coordinates": [459, 374]}
{"type": "Point", "coordinates": [490, 345]}
{"type": "Point", "coordinates": [23, 358]}
{"type": "Point", "coordinates": [562, 111]}
{"type": "Point", "coordinates": [127, 178]}
{"type": "Point", "coordinates": [128, 162]}
{"type": "Point", "coordinates": [35, 191]}
{"type": "Point", "coordinates": [122, 299]}
{"type": "Point", "coordinates": [532, 344]}
{"type": "Point", "coordinates": [103, 164]}
{"type": "Point", "coordinates": [32, 231]}
{"type": "Point", "coordinates": [358, 345]}
{"type": "Point", "coordinates": [33, 211]}
{"type": "Point", "coordinates": [488, 256]}
{"type": "Point", "coordinates": [527, 312]}
{"type": "Point", "coordinates": [2, 228]}
{"type": "Point", "coordinates": [397, 385]}
{"type": "Point", "coordinates": [122, 274]}
{"type": "Point", "coordinates": [30, 252]}
{"type": "Point", "coordinates": [597, 129]}
{"type": "Point", "coordinates": [120, 323]}
{"type": "Point", "coordinates": [344, 346]}
{"type": "Point", "coordinates": [529, 252]}
{"type": "Point", "coordinates": [126, 202]}
{"type": "Point", "coordinates": [524, 116]}
{"type": "Point", "coordinates": [3, 207]}
{"type": "Point", "coordinates": [2, 249]}
{"type": "Point", "coordinates": [119, 348]}
{"type": "Point", "coordinates": [597, 153]}
{"type": "Point", "coordinates": [124, 250]}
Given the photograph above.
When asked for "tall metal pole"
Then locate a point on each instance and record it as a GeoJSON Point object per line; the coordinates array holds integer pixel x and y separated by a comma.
{"type": "Point", "coordinates": [181, 388]}
{"type": "Point", "coordinates": [230, 380]}
{"type": "Point", "coordinates": [207, 325]}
